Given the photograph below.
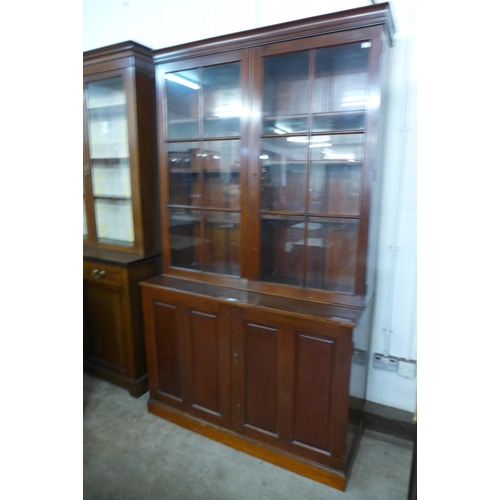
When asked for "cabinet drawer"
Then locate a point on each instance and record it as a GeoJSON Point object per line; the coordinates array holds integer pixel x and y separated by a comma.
{"type": "Point", "coordinates": [103, 273]}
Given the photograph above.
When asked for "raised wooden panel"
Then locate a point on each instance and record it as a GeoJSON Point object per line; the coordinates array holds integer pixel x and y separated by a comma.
{"type": "Point", "coordinates": [205, 366]}
{"type": "Point", "coordinates": [314, 371]}
{"type": "Point", "coordinates": [103, 326]}
{"type": "Point", "coordinates": [167, 349]}
{"type": "Point", "coordinates": [261, 377]}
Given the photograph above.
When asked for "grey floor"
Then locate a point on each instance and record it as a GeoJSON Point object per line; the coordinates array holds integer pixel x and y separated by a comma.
{"type": "Point", "coordinates": [130, 454]}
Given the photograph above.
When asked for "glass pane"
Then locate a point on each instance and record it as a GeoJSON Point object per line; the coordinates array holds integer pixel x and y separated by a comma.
{"type": "Point", "coordinates": [283, 174]}
{"type": "Point", "coordinates": [335, 178]}
{"type": "Point", "coordinates": [331, 254]}
{"type": "Point", "coordinates": [183, 104]}
{"type": "Point", "coordinates": [222, 100]}
{"type": "Point", "coordinates": [280, 258]}
{"type": "Point", "coordinates": [222, 243]}
{"type": "Point", "coordinates": [114, 221]}
{"type": "Point", "coordinates": [184, 164]}
{"type": "Point", "coordinates": [105, 93]}
{"type": "Point", "coordinates": [111, 177]}
{"type": "Point", "coordinates": [340, 86]}
{"type": "Point", "coordinates": [107, 114]}
{"type": "Point", "coordinates": [286, 79]}
{"type": "Point", "coordinates": [221, 163]}
{"type": "Point", "coordinates": [84, 222]}
{"type": "Point", "coordinates": [185, 239]}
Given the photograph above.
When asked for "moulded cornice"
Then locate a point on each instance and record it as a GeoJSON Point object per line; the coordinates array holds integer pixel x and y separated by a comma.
{"type": "Point", "coordinates": [377, 14]}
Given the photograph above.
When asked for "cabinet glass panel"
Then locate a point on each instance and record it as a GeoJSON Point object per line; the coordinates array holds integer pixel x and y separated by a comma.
{"type": "Point", "coordinates": [205, 174]}
{"type": "Point", "coordinates": [106, 107]}
{"type": "Point", "coordinates": [283, 173]}
{"type": "Point", "coordinates": [335, 175]}
{"type": "Point", "coordinates": [331, 248]}
{"type": "Point", "coordinates": [110, 168]}
{"type": "Point", "coordinates": [114, 222]}
{"type": "Point", "coordinates": [209, 96]}
{"type": "Point", "coordinates": [204, 111]}
{"type": "Point", "coordinates": [185, 239]}
{"type": "Point", "coordinates": [183, 104]}
{"type": "Point", "coordinates": [286, 84]}
{"type": "Point", "coordinates": [84, 222]}
{"type": "Point", "coordinates": [184, 166]}
{"type": "Point", "coordinates": [222, 100]}
{"type": "Point", "coordinates": [280, 258]}
{"type": "Point", "coordinates": [111, 177]}
{"type": "Point", "coordinates": [326, 248]}
{"type": "Point", "coordinates": [221, 170]}
{"type": "Point", "coordinates": [222, 243]}
{"type": "Point", "coordinates": [340, 85]}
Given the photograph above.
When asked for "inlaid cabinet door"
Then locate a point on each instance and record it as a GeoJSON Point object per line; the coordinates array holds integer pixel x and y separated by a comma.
{"type": "Point", "coordinates": [291, 383]}
{"type": "Point", "coordinates": [189, 354]}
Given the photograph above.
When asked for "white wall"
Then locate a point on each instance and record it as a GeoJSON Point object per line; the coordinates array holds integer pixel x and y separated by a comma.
{"type": "Point", "coordinates": [160, 23]}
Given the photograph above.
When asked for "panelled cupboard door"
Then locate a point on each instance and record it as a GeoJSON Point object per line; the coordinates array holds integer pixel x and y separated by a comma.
{"type": "Point", "coordinates": [291, 384]}
{"type": "Point", "coordinates": [188, 354]}
{"type": "Point", "coordinates": [105, 322]}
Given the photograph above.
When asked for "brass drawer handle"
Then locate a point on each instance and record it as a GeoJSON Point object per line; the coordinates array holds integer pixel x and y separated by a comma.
{"type": "Point", "coordinates": [95, 273]}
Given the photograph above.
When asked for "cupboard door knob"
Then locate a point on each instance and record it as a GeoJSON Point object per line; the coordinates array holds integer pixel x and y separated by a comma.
{"type": "Point", "coordinates": [96, 273]}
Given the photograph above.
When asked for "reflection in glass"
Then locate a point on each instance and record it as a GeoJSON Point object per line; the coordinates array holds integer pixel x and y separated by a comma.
{"type": "Point", "coordinates": [183, 104]}
{"type": "Point", "coordinates": [206, 176]}
{"type": "Point", "coordinates": [286, 79]}
{"type": "Point", "coordinates": [331, 254]}
{"type": "Point", "coordinates": [114, 220]}
{"type": "Point", "coordinates": [335, 189]}
{"type": "Point", "coordinates": [184, 170]}
{"type": "Point", "coordinates": [283, 173]}
{"type": "Point", "coordinates": [111, 177]}
{"type": "Point", "coordinates": [337, 148]}
{"type": "Point", "coordinates": [221, 168]}
{"type": "Point", "coordinates": [107, 115]}
{"type": "Point", "coordinates": [110, 168]}
{"type": "Point", "coordinates": [335, 177]}
{"type": "Point", "coordinates": [185, 239]}
{"type": "Point", "coordinates": [280, 258]}
{"type": "Point", "coordinates": [84, 222]}
{"type": "Point", "coordinates": [105, 93]}
{"type": "Point", "coordinates": [222, 107]}
{"type": "Point", "coordinates": [222, 243]}
{"type": "Point", "coordinates": [340, 86]}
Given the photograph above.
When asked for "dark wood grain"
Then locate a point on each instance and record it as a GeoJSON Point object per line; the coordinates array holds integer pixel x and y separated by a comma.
{"type": "Point", "coordinates": [167, 349]}
{"type": "Point", "coordinates": [113, 320]}
{"type": "Point", "coordinates": [261, 377]}
{"type": "Point", "coordinates": [261, 361]}
{"type": "Point", "coordinates": [113, 323]}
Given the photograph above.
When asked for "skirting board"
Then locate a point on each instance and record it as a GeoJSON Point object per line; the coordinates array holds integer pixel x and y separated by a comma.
{"type": "Point", "coordinates": [387, 420]}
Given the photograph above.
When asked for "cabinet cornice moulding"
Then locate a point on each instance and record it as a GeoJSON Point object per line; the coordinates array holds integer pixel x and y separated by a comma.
{"type": "Point", "coordinates": [136, 52]}
{"type": "Point", "coordinates": [373, 15]}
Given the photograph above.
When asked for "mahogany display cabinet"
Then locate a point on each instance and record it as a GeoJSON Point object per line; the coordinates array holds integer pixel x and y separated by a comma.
{"type": "Point", "coordinates": [121, 237]}
{"type": "Point", "coordinates": [258, 328]}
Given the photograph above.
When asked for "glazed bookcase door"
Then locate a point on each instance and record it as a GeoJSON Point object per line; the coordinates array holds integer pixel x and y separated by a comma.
{"type": "Point", "coordinates": [312, 224]}
{"type": "Point", "coordinates": [108, 197]}
{"type": "Point", "coordinates": [203, 143]}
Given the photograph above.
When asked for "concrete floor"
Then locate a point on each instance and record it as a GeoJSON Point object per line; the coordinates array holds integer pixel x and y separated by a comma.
{"type": "Point", "coordinates": [130, 454]}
